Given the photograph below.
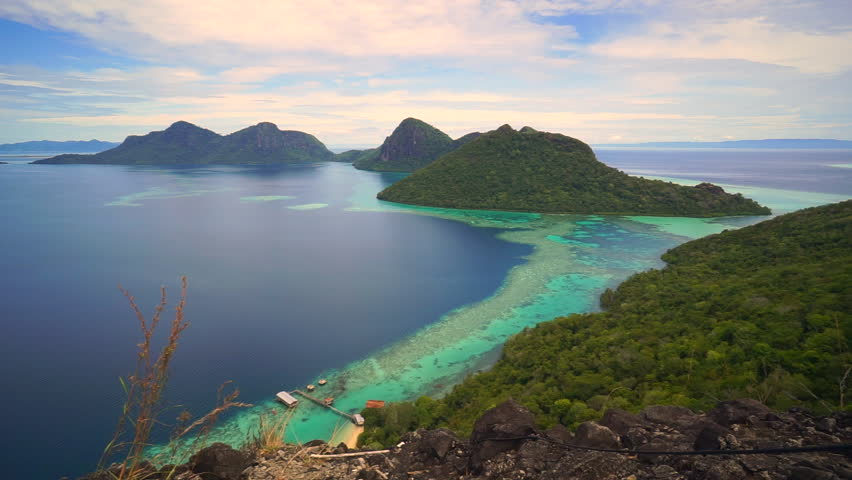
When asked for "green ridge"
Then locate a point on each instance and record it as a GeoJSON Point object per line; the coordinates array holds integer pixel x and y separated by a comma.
{"type": "Point", "coordinates": [763, 312]}
{"type": "Point", "coordinates": [350, 156]}
{"type": "Point", "coordinates": [186, 144]}
{"type": "Point", "coordinates": [544, 172]}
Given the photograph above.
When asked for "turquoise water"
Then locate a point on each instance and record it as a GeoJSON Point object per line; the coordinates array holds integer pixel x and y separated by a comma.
{"type": "Point", "coordinates": [574, 259]}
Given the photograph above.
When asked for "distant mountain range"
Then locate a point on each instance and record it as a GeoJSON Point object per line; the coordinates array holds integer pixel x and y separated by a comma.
{"type": "Point", "coordinates": [785, 143]}
{"type": "Point", "coordinates": [48, 146]}
{"type": "Point", "coordinates": [532, 171]}
{"type": "Point", "coordinates": [412, 145]}
{"type": "Point", "coordinates": [403, 153]}
{"type": "Point", "coordinates": [186, 144]}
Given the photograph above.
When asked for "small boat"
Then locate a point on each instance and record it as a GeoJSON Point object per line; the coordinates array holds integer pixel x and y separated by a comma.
{"type": "Point", "coordinates": [323, 382]}
{"type": "Point", "coordinates": [329, 400]}
{"type": "Point", "coordinates": [311, 388]}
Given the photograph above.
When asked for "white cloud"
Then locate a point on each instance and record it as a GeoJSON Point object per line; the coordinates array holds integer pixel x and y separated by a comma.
{"type": "Point", "coordinates": [751, 39]}
{"type": "Point", "coordinates": [222, 30]}
{"type": "Point", "coordinates": [562, 7]}
{"type": "Point", "coordinates": [350, 71]}
{"type": "Point", "coordinates": [387, 82]}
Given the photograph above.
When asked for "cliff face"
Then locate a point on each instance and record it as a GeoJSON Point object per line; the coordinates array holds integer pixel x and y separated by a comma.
{"type": "Point", "coordinates": [506, 444]}
{"type": "Point", "coordinates": [412, 145]}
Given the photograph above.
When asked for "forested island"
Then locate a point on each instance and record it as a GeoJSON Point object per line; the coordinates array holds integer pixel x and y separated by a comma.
{"type": "Point", "coordinates": [412, 145]}
{"type": "Point", "coordinates": [760, 312]}
{"type": "Point", "coordinates": [186, 144]}
{"type": "Point", "coordinates": [534, 171]}
{"type": "Point", "coordinates": [49, 146]}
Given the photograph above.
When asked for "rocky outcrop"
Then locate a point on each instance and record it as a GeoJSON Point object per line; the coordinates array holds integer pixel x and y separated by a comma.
{"type": "Point", "coordinates": [412, 145]}
{"type": "Point", "coordinates": [709, 187]}
{"type": "Point", "coordinates": [219, 462]}
{"type": "Point", "coordinates": [738, 411]}
{"type": "Point", "coordinates": [499, 430]}
{"type": "Point", "coordinates": [506, 444]}
{"type": "Point", "coordinates": [593, 435]}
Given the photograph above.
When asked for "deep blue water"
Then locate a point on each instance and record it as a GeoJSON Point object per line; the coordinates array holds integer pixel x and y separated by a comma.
{"type": "Point", "coordinates": [275, 294]}
{"type": "Point", "coordinates": [805, 170]}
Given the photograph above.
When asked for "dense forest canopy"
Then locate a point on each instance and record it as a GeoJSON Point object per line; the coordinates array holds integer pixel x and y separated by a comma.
{"type": "Point", "coordinates": [762, 312]}
{"type": "Point", "coordinates": [534, 171]}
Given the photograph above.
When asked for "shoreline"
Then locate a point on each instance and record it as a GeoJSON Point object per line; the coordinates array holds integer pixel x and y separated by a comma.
{"type": "Point", "coordinates": [348, 435]}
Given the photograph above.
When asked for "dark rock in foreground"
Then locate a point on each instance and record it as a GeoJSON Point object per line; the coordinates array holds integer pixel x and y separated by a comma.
{"type": "Point", "coordinates": [500, 429]}
{"type": "Point", "coordinates": [219, 462]}
{"type": "Point", "coordinates": [506, 445]}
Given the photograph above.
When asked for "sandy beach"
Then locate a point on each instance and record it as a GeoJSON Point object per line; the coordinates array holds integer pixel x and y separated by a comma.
{"type": "Point", "coordinates": [347, 434]}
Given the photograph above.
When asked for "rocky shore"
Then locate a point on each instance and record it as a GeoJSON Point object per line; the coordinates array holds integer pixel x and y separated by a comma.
{"type": "Point", "coordinates": [506, 444]}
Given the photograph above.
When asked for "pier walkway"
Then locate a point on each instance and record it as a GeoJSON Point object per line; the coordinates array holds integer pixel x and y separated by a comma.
{"type": "Point", "coordinates": [352, 418]}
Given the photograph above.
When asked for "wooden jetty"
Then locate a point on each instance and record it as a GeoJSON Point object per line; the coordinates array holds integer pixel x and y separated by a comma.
{"type": "Point", "coordinates": [356, 419]}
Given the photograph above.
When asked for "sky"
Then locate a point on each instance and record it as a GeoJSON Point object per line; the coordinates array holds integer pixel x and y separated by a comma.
{"type": "Point", "coordinates": [604, 71]}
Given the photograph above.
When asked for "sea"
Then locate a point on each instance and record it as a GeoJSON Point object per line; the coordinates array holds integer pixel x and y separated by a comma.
{"type": "Point", "coordinates": [297, 273]}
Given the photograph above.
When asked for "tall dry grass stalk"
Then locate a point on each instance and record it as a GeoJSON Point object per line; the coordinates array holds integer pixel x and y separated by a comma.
{"type": "Point", "coordinates": [143, 391]}
{"type": "Point", "coordinates": [269, 435]}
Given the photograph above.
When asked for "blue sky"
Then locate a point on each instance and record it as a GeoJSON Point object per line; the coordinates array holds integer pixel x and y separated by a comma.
{"type": "Point", "coordinates": [605, 71]}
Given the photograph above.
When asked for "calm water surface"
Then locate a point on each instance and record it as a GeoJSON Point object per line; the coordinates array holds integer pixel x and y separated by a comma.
{"type": "Point", "coordinates": [295, 272]}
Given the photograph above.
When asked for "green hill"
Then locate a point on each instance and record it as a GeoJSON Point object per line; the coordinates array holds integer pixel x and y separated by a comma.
{"type": "Point", "coordinates": [545, 172]}
{"type": "Point", "coordinates": [412, 145]}
{"type": "Point", "coordinates": [350, 156]}
{"type": "Point", "coordinates": [762, 312]}
{"type": "Point", "coordinates": [265, 143]}
{"type": "Point", "coordinates": [186, 144]}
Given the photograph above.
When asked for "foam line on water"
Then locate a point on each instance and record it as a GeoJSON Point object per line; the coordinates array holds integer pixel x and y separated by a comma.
{"type": "Point", "coordinates": [265, 198]}
{"type": "Point", "coordinates": [160, 193]}
{"type": "Point", "coordinates": [308, 206]}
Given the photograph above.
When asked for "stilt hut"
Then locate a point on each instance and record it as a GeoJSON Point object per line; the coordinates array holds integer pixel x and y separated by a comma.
{"type": "Point", "coordinates": [287, 399]}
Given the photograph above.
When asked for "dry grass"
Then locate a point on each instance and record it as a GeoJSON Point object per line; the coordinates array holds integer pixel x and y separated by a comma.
{"type": "Point", "coordinates": [269, 435]}
{"type": "Point", "coordinates": [143, 391]}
